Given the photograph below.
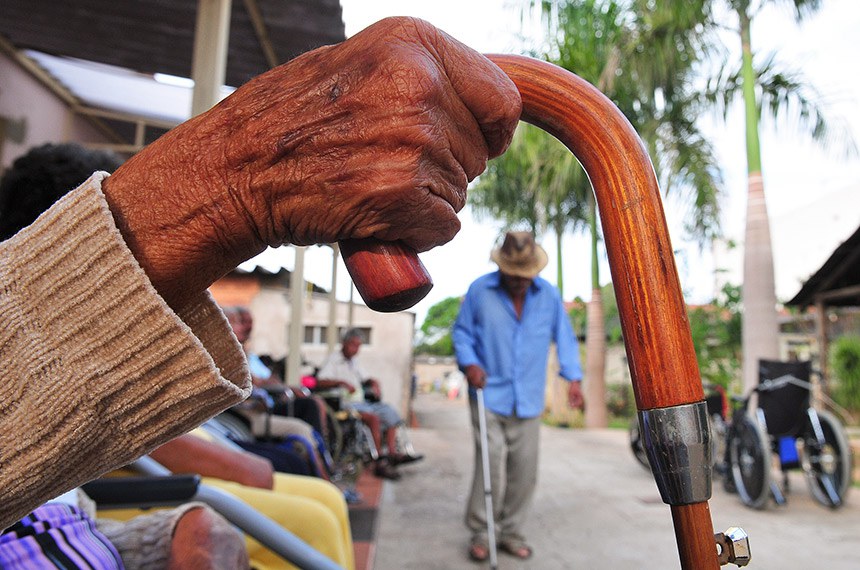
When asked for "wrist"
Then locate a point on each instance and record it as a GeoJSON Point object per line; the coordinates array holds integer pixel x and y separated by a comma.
{"type": "Point", "coordinates": [164, 210]}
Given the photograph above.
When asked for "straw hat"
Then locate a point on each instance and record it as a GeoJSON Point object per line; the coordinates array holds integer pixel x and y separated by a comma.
{"type": "Point", "coordinates": [519, 255]}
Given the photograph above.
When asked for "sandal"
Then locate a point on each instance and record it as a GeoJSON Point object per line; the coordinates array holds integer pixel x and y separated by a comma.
{"type": "Point", "coordinates": [479, 550]}
{"type": "Point", "coordinates": [516, 547]}
{"type": "Point", "coordinates": [404, 458]}
{"type": "Point", "coordinates": [386, 471]}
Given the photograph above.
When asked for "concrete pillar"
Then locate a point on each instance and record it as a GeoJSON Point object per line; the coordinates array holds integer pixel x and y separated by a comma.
{"type": "Point", "coordinates": [209, 64]}
{"type": "Point", "coordinates": [331, 331]}
{"type": "Point", "coordinates": [296, 336]}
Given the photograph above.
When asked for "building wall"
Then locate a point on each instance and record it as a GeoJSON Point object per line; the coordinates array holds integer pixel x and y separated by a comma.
{"type": "Point", "coordinates": [432, 371]}
{"type": "Point", "coordinates": [39, 115]}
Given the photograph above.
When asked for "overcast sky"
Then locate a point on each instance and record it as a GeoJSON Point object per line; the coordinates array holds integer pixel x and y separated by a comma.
{"type": "Point", "coordinates": [813, 195]}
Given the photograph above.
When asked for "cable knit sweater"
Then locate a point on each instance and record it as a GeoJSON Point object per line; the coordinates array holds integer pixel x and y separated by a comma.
{"type": "Point", "coordinates": [95, 368]}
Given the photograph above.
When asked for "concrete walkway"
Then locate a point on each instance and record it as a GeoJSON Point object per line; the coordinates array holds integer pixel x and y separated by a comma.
{"type": "Point", "coordinates": [595, 508]}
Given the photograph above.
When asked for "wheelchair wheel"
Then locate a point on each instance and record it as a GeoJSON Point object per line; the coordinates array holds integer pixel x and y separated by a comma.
{"type": "Point", "coordinates": [750, 460]}
{"type": "Point", "coordinates": [636, 445]}
{"type": "Point", "coordinates": [827, 460]}
{"type": "Point", "coordinates": [718, 428]}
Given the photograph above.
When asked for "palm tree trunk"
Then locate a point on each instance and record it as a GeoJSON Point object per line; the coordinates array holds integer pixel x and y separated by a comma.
{"type": "Point", "coordinates": [760, 329]}
{"type": "Point", "coordinates": [595, 341]}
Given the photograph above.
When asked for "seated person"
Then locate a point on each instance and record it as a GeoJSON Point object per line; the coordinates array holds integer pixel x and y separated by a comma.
{"type": "Point", "coordinates": [340, 372]}
{"type": "Point", "coordinates": [287, 401]}
{"type": "Point", "coordinates": [190, 536]}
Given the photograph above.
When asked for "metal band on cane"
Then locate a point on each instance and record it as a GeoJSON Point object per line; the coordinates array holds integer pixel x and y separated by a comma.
{"type": "Point", "coordinates": [678, 444]}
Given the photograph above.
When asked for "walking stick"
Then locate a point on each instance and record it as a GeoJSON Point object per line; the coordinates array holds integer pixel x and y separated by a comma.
{"type": "Point", "coordinates": [488, 484]}
{"type": "Point", "coordinates": [660, 353]}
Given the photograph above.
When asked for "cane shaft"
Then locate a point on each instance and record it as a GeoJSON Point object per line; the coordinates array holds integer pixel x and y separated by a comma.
{"type": "Point", "coordinates": [641, 259]}
{"type": "Point", "coordinates": [693, 521]}
{"type": "Point", "coordinates": [487, 477]}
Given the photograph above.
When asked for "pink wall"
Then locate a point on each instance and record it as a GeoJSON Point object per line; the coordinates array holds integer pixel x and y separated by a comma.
{"type": "Point", "coordinates": [46, 116]}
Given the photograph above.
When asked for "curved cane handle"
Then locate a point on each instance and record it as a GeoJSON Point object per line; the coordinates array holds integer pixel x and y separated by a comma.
{"type": "Point", "coordinates": [653, 315]}
{"type": "Point", "coordinates": [388, 275]}
{"type": "Point", "coordinates": [657, 336]}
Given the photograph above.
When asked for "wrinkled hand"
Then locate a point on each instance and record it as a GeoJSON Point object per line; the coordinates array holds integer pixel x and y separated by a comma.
{"type": "Point", "coordinates": [476, 376]}
{"type": "Point", "coordinates": [575, 399]}
{"type": "Point", "coordinates": [375, 137]}
{"type": "Point", "coordinates": [204, 539]}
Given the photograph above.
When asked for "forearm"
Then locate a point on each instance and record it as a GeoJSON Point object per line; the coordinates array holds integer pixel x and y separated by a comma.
{"type": "Point", "coordinates": [191, 454]}
{"type": "Point", "coordinates": [331, 384]}
{"type": "Point", "coordinates": [84, 329]}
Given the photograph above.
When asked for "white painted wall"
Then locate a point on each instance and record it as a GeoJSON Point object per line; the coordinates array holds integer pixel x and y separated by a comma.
{"type": "Point", "coordinates": [387, 357]}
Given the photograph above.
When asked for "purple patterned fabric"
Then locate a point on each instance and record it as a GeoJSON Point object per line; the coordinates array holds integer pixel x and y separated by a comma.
{"type": "Point", "coordinates": [60, 536]}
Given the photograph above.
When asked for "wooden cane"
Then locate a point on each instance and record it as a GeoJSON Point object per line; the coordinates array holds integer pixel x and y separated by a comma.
{"type": "Point", "coordinates": [653, 316]}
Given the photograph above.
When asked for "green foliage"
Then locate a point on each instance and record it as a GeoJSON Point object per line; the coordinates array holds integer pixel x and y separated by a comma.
{"type": "Point", "coordinates": [435, 337]}
{"type": "Point", "coordinates": [645, 55]}
{"type": "Point", "coordinates": [845, 367]}
{"type": "Point", "coordinates": [620, 401]}
{"type": "Point", "coordinates": [578, 315]}
{"type": "Point", "coordinates": [611, 315]}
{"type": "Point", "coordinates": [537, 183]}
{"type": "Point", "coordinates": [716, 331]}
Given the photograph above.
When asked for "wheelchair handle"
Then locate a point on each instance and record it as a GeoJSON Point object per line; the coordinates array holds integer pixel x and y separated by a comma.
{"type": "Point", "coordinates": [653, 316]}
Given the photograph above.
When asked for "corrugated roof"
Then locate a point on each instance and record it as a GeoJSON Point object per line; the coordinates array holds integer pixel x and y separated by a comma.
{"type": "Point", "coordinates": [156, 36]}
{"type": "Point", "coordinates": [840, 271]}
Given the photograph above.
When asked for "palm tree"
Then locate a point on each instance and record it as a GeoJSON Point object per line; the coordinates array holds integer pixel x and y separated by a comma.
{"type": "Point", "coordinates": [778, 91]}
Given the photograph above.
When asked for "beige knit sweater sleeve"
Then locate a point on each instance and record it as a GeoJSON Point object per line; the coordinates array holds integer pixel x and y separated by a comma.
{"type": "Point", "coordinates": [95, 368]}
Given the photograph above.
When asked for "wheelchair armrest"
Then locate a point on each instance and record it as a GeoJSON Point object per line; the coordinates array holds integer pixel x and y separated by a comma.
{"type": "Point", "coordinates": [303, 390]}
{"type": "Point", "coordinates": [146, 492]}
{"type": "Point", "coordinates": [279, 392]}
{"type": "Point", "coordinates": [121, 492]}
{"type": "Point", "coordinates": [265, 530]}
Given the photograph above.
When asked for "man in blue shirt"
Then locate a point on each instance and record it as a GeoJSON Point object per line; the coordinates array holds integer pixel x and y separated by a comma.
{"type": "Point", "coordinates": [502, 337]}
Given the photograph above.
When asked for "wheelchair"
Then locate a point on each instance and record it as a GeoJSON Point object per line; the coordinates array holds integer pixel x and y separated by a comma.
{"type": "Point", "coordinates": [257, 420]}
{"type": "Point", "coordinates": [778, 427]}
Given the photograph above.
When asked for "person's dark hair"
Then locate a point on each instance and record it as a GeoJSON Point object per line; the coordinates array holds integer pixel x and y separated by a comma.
{"type": "Point", "coordinates": [352, 333]}
{"type": "Point", "coordinates": [41, 177]}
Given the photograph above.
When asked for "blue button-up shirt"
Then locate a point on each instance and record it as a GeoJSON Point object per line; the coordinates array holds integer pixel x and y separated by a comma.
{"type": "Point", "coordinates": [513, 351]}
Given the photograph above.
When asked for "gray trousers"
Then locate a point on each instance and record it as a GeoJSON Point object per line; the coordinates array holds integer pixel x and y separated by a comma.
{"type": "Point", "coordinates": [513, 445]}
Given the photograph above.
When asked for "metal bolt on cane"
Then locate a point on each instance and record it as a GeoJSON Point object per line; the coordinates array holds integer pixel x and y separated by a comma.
{"type": "Point", "coordinates": [488, 487]}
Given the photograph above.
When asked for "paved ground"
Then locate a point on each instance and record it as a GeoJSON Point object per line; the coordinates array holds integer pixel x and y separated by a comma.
{"type": "Point", "coordinates": [595, 508]}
